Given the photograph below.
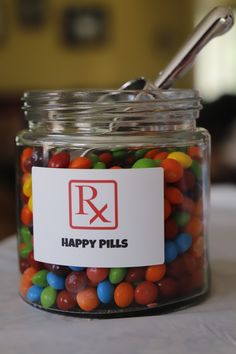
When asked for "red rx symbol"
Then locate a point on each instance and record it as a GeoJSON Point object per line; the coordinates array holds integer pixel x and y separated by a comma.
{"type": "Point", "coordinates": [83, 201]}
{"type": "Point", "coordinates": [93, 204]}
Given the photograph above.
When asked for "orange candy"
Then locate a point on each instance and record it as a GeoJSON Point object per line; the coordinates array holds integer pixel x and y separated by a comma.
{"type": "Point", "coordinates": [105, 157]}
{"type": "Point", "coordinates": [194, 151]}
{"type": "Point", "coordinates": [87, 299]}
{"type": "Point", "coordinates": [173, 171]}
{"type": "Point", "coordinates": [167, 209]}
{"type": "Point", "coordinates": [124, 294]}
{"type": "Point", "coordinates": [173, 195]}
{"type": "Point", "coordinates": [115, 168]}
{"type": "Point", "coordinates": [26, 153]}
{"type": "Point", "coordinates": [29, 273]}
{"type": "Point", "coordinates": [155, 273]}
{"type": "Point", "coordinates": [26, 216]}
{"type": "Point", "coordinates": [24, 286]}
{"type": "Point", "coordinates": [194, 227]}
{"type": "Point", "coordinates": [197, 247]}
{"type": "Point", "coordinates": [81, 162]}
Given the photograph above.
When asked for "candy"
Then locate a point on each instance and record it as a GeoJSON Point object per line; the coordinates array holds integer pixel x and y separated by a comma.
{"type": "Point", "coordinates": [48, 297]}
{"type": "Point", "coordinates": [81, 162]}
{"type": "Point", "coordinates": [155, 273]}
{"type": "Point", "coordinates": [197, 170]}
{"type": "Point", "coordinates": [144, 163]}
{"type": "Point", "coordinates": [27, 187]}
{"type": "Point", "coordinates": [181, 218]}
{"type": "Point", "coordinates": [26, 216]}
{"type": "Point", "coordinates": [173, 170]}
{"type": "Point", "coordinates": [40, 278]}
{"type": "Point", "coordinates": [99, 165]}
{"type": "Point", "coordinates": [105, 157]}
{"type": "Point", "coordinates": [173, 195]}
{"type": "Point", "coordinates": [105, 291]}
{"type": "Point", "coordinates": [167, 209]}
{"type": "Point", "coordinates": [77, 288]}
{"type": "Point", "coordinates": [171, 228]}
{"type": "Point", "coordinates": [56, 281]}
{"type": "Point", "coordinates": [183, 242]}
{"type": "Point", "coordinates": [124, 294]}
{"type": "Point", "coordinates": [168, 288]}
{"type": "Point", "coordinates": [87, 299]}
{"type": "Point", "coordinates": [75, 282]}
{"type": "Point", "coordinates": [57, 269]}
{"type": "Point", "coordinates": [33, 294]}
{"type": "Point", "coordinates": [171, 251]}
{"type": "Point", "coordinates": [135, 274]}
{"type": "Point", "coordinates": [182, 158]}
{"type": "Point", "coordinates": [116, 275]}
{"type": "Point", "coordinates": [194, 227]}
{"type": "Point", "coordinates": [65, 301]}
{"type": "Point", "coordinates": [97, 275]}
{"type": "Point", "coordinates": [146, 293]}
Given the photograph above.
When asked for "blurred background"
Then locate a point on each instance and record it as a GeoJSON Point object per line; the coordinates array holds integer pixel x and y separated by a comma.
{"type": "Point", "coordinates": [54, 44]}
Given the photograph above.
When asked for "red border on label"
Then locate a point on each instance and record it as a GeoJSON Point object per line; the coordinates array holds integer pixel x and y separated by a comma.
{"type": "Point", "coordinates": [115, 205]}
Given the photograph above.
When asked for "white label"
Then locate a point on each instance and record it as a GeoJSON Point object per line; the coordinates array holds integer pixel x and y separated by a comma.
{"type": "Point", "coordinates": [98, 218]}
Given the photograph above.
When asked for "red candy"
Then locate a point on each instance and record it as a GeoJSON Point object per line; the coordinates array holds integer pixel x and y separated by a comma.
{"type": "Point", "coordinates": [168, 287]}
{"type": "Point", "coordinates": [173, 171]}
{"type": "Point", "coordinates": [75, 282]}
{"type": "Point", "coordinates": [65, 300]}
{"type": "Point", "coordinates": [146, 293]}
{"type": "Point", "coordinates": [59, 160]}
{"type": "Point", "coordinates": [135, 274]}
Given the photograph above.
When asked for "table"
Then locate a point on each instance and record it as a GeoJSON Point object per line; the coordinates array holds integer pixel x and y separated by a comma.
{"type": "Point", "coordinates": [206, 328]}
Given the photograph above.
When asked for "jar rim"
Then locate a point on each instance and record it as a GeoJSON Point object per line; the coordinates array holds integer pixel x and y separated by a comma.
{"type": "Point", "coordinates": [90, 96]}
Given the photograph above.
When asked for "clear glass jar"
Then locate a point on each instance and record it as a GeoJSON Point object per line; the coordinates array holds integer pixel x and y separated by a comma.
{"type": "Point", "coordinates": [119, 199]}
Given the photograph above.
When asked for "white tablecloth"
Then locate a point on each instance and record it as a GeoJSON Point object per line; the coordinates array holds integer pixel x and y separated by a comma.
{"type": "Point", "coordinates": [206, 328]}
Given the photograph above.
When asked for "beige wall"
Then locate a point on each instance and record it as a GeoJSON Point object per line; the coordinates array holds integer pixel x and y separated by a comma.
{"type": "Point", "coordinates": [143, 36]}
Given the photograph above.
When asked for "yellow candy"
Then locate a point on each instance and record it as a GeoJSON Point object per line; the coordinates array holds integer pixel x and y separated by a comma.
{"type": "Point", "coordinates": [182, 158]}
{"type": "Point", "coordinates": [30, 204]}
{"type": "Point", "coordinates": [27, 187]}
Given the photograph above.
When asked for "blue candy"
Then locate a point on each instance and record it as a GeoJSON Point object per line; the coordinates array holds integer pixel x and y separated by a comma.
{"type": "Point", "coordinates": [171, 251]}
{"type": "Point", "coordinates": [76, 269]}
{"type": "Point", "coordinates": [33, 293]}
{"type": "Point", "coordinates": [56, 281]}
{"type": "Point", "coordinates": [183, 242]}
{"type": "Point", "coordinates": [105, 291]}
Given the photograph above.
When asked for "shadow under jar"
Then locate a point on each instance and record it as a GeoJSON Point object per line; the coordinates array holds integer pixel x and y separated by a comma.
{"type": "Point", "coordinates": [113, 193]}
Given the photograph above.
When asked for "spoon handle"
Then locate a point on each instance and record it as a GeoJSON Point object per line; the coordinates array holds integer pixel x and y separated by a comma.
{"type": "Point", "coordinates": [215, 23]}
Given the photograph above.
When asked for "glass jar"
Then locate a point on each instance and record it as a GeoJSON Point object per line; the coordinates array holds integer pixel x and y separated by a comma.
{"type": "Point", "coordinates": [113, 193]}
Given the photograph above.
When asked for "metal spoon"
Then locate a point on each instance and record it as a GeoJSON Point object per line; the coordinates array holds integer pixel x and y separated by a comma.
{"type": "Point", "coordinates": [217, 22]}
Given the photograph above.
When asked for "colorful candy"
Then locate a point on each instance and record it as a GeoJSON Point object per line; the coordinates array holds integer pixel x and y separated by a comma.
{"type": "Point", "coordinates": [77, 288]}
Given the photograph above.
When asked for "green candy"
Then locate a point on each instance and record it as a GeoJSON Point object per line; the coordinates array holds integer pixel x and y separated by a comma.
{"type": "Point", "coordinates": [196, 169]}
{"type": "Point", "coordinates": [119, 155]}
{"type": "Point", "coordinates": [48, 297]}
{"type": "Point", "coordinates": [26, 234]}
{"type": "Point", "coordinates": [24, 252]}
{"type": "Point", "coordinates": [94, 158]}
{"type": "Point", "coordinates": [144, 163]}
{"type": "Point", "coordinates": [99, 165]}
{"type": "Point", "coordinates": [40, 278]}
{"type": "Point", "coordinates": [116, 275]}
{"type": "Point", "coordinates": [140, 153]}
{"type": "Point", "coordinates": [181, 218]}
